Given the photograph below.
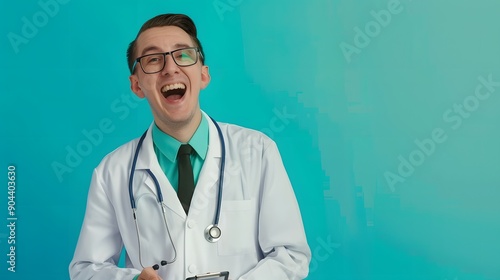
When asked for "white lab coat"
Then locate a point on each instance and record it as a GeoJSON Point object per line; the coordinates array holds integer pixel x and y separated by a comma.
{"type": "Point", "coordinates": [262, 231]}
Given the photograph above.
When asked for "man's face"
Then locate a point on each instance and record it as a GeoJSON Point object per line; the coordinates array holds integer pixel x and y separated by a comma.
{"type": "Point", "coordinates": [173, 93]}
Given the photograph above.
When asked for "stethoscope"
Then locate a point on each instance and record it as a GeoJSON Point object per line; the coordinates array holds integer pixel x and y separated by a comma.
{"type": "Point", "coordinates": [212, 232]}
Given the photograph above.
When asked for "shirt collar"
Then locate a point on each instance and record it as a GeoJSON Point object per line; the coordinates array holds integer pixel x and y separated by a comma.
{"type": "Point", "coordinates": [169, 146]}
{"type": "Point", "coordinates": [199, 140]}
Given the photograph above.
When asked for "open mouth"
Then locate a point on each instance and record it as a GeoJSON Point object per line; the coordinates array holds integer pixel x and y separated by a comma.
{"type": "Point", "coordinates": [173, 92]}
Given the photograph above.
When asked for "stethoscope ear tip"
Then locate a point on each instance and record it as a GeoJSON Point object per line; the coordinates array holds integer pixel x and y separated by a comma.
{"type": "Point", "coordinates": [156, 266]}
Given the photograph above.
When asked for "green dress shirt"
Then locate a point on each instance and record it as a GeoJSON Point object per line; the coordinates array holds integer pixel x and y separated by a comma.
{"type": "Point", "coordinates": [166, 148]}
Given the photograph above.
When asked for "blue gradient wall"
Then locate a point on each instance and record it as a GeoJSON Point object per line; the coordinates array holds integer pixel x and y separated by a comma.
{"type": "Point", "coordinates": [385, 112]}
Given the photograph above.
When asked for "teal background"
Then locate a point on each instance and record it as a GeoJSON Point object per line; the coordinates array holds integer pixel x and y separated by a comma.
{"type": "Point", "coordinates": [351, 120]}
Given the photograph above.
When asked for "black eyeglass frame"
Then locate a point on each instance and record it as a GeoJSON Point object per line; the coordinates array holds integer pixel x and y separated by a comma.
{"type": "Point", "coordinates": [138, 60]}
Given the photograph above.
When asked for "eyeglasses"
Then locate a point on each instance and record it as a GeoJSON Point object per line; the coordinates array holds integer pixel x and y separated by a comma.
{"type": "Point", "coordinates": [155, 62]}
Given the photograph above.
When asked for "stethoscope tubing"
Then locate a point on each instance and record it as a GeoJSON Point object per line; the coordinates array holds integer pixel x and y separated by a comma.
{"type": "Point", "coordinates": [208, 232]}
{"type": "Point", "coordinates": [221, 173]}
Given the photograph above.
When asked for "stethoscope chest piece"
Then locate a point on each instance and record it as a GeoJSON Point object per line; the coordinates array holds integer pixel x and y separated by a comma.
{"type": "Point", "coordinates": [212, 233]}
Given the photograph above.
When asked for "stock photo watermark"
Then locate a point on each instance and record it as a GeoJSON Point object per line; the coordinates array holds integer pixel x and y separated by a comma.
{"type": "Point", "coordinates": [31, 26]}
{"type": "Point", "coordinates": [372, 29]}
{"type": "Point", "coordinates": [75, 154]}
{"type": "Point", "coordinates": [453, 117]}
{"type": "Point", "coordinates": [223, 6]}
{"type": "Point", "coordinates": [12, 218]}
{"type": "Point", "coordinates": [278, 122]}
{"type": "Point", "coordinates": [92, 138]}
{"type": "Point", "coordinates": [322, 252]}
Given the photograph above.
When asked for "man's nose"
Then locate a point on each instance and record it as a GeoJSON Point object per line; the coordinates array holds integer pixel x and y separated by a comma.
{"type": "Point", "coordinates": [170, 65]}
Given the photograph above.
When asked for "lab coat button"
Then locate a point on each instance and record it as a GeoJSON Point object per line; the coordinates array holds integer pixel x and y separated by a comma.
{"type": "Point", "coordinates": [192, 269]}
{"type": "Point", "coordinates": [191, 224]}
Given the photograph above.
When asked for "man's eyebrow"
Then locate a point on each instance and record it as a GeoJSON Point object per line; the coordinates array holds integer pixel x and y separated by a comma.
{"type": "Point", "coordinates": [149, 49]}
{"type": "Point", "coordinates": [181, 45]}
{"type": "Point", "coordinates": [157, 49]}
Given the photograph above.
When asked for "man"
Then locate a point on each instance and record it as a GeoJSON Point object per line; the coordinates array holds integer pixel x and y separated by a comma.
{"type": "Point", "coordinates": [139, 199]}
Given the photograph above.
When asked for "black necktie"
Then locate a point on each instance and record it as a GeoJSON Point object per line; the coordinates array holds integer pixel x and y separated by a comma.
{"type": "Point", "coordinates": [186, 178]}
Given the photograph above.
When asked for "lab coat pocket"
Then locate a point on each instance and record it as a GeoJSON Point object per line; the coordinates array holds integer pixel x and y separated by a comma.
{"type": "Point", "coordinates": [238, 224]}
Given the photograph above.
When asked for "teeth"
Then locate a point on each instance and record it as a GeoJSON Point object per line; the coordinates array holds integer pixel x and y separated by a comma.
{"type": "Point", "coordinates": [166, 88]}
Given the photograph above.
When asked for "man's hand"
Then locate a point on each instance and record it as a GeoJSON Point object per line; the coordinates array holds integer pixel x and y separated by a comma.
{"type": "Point", "coordinates": [149, 273]}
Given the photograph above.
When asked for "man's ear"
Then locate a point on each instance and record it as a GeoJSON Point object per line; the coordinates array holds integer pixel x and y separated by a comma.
{"type": "Point", "coordinates": [205, 76]}
{"type": "Point", "coordinates": [135, 87]}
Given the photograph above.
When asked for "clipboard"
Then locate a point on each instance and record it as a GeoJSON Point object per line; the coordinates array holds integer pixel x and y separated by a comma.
{"type": "Point", "coordinates": [223, 275]}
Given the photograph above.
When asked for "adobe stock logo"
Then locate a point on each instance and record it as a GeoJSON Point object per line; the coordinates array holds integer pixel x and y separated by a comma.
{"type": "Point", "coordinates": [223, 6]}
{"type": "Point", "coordinates": [453, 116]}
{"type": "Point", "coordinates": [372, 29]}
{"type": "Point", "coordinates": [322, 252]}
{"type": "Point", "coordinates": [76, 154]}
{"type": "Point", "coordinates": [278, 122]}
{"type": "Point", "coordinates": [39, 19]}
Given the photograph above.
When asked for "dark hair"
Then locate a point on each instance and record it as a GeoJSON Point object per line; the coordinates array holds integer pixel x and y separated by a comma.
{"type": "Point", "coordinates": [182, 21]}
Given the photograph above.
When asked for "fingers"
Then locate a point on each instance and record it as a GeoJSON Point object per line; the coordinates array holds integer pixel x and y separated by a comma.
{"type": "Point", "coordinates": [149, 273]}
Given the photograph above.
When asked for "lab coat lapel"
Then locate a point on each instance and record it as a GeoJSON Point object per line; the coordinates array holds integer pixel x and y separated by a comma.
{"type": "Point", "coordinates": [147, 160]}
{"type": "Point", "coordinates": [209, 174]}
